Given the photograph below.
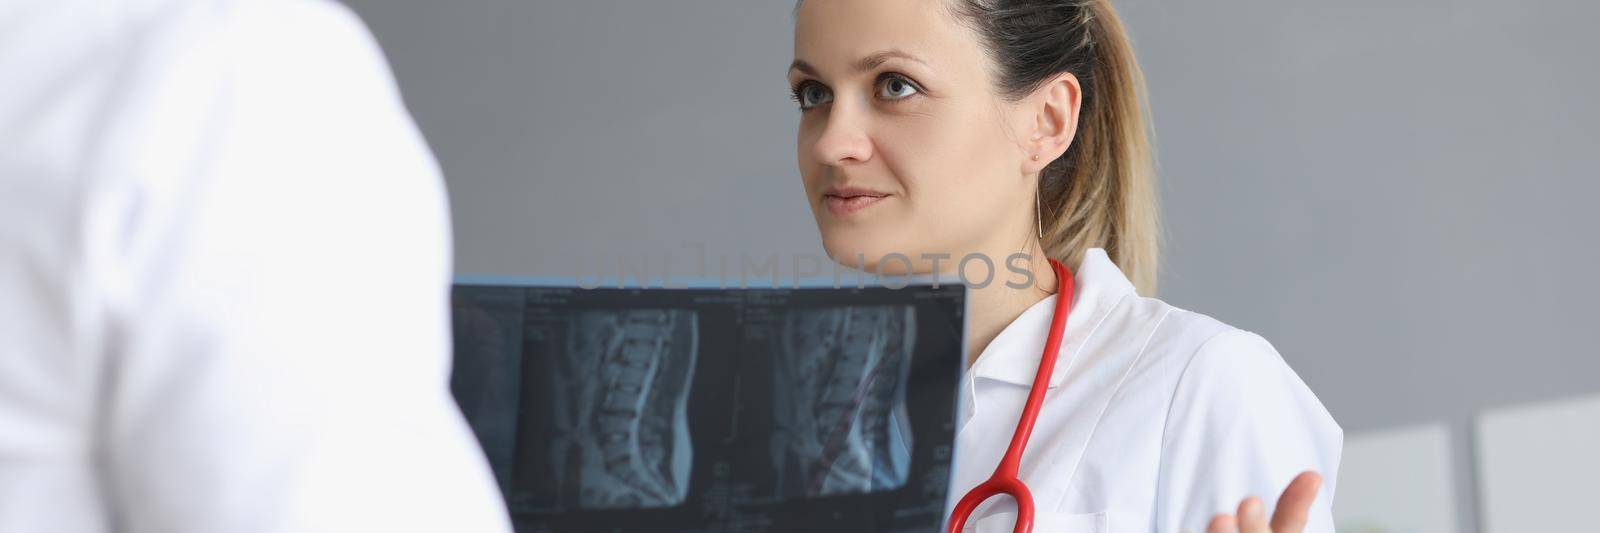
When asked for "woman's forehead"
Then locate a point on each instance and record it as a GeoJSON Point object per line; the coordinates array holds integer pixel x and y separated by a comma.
{"type": "Point", "coordinates": [841, 35]}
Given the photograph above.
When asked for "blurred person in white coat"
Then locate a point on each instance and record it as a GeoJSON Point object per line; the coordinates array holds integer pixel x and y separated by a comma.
{"type": "Point", "coordinates": [224, 270]}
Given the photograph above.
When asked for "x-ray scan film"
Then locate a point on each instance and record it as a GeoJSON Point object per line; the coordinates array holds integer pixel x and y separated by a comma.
{"type": "Point", "coordinates": [839, 399]}
{"type": "Point", "coordinates": [712, 409]}
{"type": "Point", "coordinates": [623, 423]}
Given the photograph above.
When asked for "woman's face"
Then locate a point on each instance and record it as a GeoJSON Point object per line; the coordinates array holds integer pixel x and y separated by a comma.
{"type": "Point", "coordinates": [902, 144]}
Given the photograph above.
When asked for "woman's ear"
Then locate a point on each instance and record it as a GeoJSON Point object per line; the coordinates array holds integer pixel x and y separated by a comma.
{"type": "Point", "coordinates": [1054, 108]}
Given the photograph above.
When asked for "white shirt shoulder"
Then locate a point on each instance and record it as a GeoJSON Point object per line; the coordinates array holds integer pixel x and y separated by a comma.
{"type": "Point", "coordinates": [224, 267]}
{"type": "Point", "coordinates": [1241, 422]}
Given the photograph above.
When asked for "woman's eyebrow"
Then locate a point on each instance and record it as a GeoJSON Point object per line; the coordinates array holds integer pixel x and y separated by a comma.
{"type": "Point", "coordinates": [869, 62]}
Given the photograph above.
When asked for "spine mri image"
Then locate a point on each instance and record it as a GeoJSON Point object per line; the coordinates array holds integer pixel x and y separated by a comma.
{"type": "Point", "coordinates": [627, 431]}
{"type": "Point", "coordinates": [679, 410]}
{"type": "Point", "coordinates": [840, 399]}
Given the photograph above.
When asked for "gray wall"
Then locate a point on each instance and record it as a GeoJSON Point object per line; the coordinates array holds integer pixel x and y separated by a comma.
{"type": "Point", "coordinates": [1398, 196]}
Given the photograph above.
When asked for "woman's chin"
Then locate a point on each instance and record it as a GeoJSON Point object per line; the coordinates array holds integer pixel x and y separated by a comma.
{"type": "Point", "coordinates": [851, 254]}
{"type": "Point", "coordinates": [874, 257]}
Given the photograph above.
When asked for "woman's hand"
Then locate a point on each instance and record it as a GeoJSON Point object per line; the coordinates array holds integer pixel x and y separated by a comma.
{"type": "Point", "coordinates": [1290, 516]}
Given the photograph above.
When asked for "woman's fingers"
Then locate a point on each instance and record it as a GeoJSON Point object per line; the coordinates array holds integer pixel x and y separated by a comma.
{"type": "Point", "coordinates": [1222, 523]}
{"type": "Point", "coordinates": [1290, 516]}
{"type": "Point", "coordinates": [1295, 505]}
{"type": "Point", "coordinates": [1253, 516]}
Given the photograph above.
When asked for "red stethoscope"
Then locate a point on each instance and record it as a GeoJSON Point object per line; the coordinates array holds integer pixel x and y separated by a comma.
{"type": "Point", "coordinates": [1005, 480]}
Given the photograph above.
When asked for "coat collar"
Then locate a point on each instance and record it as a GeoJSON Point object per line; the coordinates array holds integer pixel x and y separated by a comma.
{"type": "Point", "coordinates": [1013, 355]}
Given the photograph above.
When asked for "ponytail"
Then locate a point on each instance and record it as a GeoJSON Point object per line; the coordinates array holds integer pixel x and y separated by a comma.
{"type": "Point", "coordinates": [1101, 192]}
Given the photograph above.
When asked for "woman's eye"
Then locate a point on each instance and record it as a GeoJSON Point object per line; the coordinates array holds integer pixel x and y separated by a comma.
{"type": "Point", "coordinates": [892, 88]}
{"type": "Point", "coordinates": [809, 95]}
{"type": "Point", "coordinates": [896, 85]}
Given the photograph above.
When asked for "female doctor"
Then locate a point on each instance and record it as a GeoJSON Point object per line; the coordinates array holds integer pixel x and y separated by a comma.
{"type": "Point", "coordinates": [940, 129]}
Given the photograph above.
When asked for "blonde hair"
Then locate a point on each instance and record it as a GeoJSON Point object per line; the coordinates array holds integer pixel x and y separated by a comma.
{"type": "Point", "coordinates": [1102, 192]}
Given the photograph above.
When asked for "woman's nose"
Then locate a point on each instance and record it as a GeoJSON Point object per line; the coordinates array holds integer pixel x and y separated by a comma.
{"type": "Point", "coordinates": [844, 139]}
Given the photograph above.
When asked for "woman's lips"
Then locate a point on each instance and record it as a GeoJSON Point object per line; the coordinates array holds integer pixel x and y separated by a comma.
{"type": "Point", "coordinates": [850, 203]}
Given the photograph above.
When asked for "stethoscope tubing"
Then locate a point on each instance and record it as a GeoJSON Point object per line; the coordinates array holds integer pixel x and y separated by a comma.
{"type": "Point", "coordinates": [1005, 480]}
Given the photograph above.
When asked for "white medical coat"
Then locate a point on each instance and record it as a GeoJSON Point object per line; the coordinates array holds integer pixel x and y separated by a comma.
{"type": "Point", "coordinates": [1156, 419]}
{"type": "Point", "coordinates": [224, 272]}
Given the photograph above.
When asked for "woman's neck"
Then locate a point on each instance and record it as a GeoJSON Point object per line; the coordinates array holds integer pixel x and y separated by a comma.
{"type": "Point", "coordinates": [997, 305]}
